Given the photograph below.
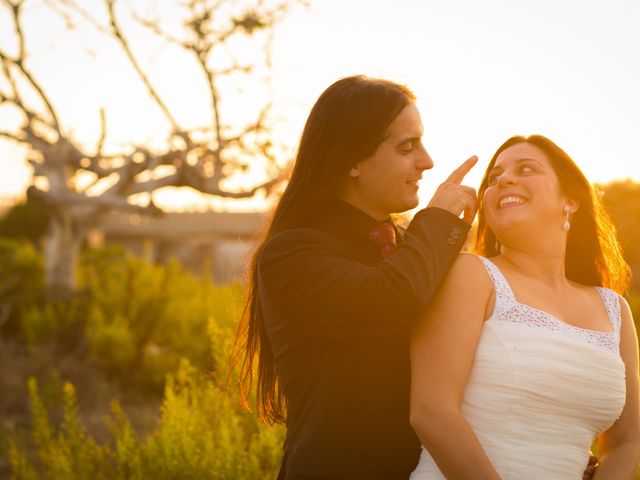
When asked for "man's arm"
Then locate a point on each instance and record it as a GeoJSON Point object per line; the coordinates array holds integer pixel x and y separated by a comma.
{"type": "Point", "coordinates": [306, 270]}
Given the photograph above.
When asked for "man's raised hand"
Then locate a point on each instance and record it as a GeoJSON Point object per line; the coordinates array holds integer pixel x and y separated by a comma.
{"type": "Point", "coordinates": [457, 198]}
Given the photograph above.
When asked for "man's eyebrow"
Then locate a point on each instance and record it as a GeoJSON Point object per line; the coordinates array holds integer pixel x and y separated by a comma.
{"type": "Point", "coordinates": [409, 138]}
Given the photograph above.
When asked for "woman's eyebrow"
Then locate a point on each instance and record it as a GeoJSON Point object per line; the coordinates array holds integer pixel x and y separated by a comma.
{"type": "Point", "coordinates": [519, 161]}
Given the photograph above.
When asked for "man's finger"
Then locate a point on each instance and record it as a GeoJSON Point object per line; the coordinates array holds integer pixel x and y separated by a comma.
{"type": "Point", "coordinates": [458, 174]}
{"type": "Point", "coordinates": [470, 213]}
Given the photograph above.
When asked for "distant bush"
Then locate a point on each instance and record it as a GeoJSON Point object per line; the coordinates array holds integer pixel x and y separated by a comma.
{"type": "Point", "coordinates": [21, 281]}
{"type": "Point", "coordinates": [136, 319]}
{"type": "Point", "coordinates": [201, 434]}
{"type": "Point", "coordinates": [155, 329]}
{"type": "Point", "coordinates": [25, 220]}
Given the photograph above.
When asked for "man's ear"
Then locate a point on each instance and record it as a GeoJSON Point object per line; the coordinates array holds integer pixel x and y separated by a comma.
{"type": "Point", "coordinates": [355, 171]}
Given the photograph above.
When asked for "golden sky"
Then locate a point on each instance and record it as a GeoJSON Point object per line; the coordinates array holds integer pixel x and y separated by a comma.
{"type": "Point", "coordinates": [482, 71]}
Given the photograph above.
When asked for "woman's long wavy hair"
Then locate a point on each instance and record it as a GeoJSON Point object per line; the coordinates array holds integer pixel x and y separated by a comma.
{"type": "Point", "coordinates": [346, 125]}
{"type": "Point", "coordinates": [593, 255]}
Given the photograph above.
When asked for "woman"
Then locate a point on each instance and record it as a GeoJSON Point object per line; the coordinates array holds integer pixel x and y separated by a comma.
{"type": "Point", "coordinates": [519, 363]}
{"type": "Point", "coordinates": [330, 307]}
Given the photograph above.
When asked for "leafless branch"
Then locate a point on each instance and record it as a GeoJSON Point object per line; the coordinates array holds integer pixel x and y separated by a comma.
{"type": "Point", "coordinates": [12, 136]}
{"type": "Point", "coordinates": [154, 27]}
{"type": "Point", "coordinates": [6, 61]}
{"type": "Point", "coordinates": [73, 5]}
{"type": "Point", "coordinates": [254, 127]}
{"type": "Point", "coordinates": [19, 62]}
{"type": "Point", "coordinates": [103, 132]}
{"type": "Point", "coordinates": [38, 168]}
{"type": "Point", "coordinates": [117, 32]}
{"type": "Point", "coordinates": [72, 199]}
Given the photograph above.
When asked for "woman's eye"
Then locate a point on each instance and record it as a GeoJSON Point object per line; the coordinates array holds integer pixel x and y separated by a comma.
{"type": "Point", "coordinates": [526, 169]}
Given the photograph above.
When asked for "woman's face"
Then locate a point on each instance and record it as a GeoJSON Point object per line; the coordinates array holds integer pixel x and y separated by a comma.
{"type": "Point", "coordinates": [523, 190]}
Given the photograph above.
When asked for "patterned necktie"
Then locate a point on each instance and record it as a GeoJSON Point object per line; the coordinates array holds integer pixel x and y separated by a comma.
{"type": "Point", "coordinates": [384, 236]}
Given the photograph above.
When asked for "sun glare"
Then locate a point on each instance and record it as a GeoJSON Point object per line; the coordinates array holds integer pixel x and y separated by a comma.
{"type": "Point", "coordinates": [479, 77]}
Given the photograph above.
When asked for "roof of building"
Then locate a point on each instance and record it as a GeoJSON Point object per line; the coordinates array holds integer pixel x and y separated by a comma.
{"type": "Point", "coordinates": [177, 225]}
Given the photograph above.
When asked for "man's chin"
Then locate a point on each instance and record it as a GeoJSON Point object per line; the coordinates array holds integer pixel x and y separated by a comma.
{"type": "Point", "coordinates": [406, 206]}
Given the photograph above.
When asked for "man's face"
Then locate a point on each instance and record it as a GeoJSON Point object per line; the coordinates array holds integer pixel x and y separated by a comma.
{"type": "Point", "coordinates": [388, 181]}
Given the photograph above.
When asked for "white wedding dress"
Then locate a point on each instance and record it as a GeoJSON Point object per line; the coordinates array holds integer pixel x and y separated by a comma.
{"type": "Point", "coordinates": [540, 390]}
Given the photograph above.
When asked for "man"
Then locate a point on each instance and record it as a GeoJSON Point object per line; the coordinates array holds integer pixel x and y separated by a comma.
{"type": "Point", "coordinates": [332, 297]}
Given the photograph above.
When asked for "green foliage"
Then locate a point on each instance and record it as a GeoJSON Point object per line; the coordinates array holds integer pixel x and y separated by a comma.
{"type": "Point", "coordinates": [231, 444]}
{"type": "Point", "coordinates": [151, 329]}
{"type": "Point", "coordinates": [622, 200]}
{"type": "Point", "coordinates": [127, 452]}
{"type": "Point", "coordinates": [136, 319]}
{"type": "Point", "coordinates": [57, 320]}
{"type": "Point", "coordinates": [21, 271]}
{"type": "Point", "coordinates": [26, 220]}
{"type": "Point", "coordinates": [201, 434]}
{"type": "Point", "coordinates": [21, 280]}
{"type": "Point", "coordinates": [166, 319]}
{"type": "Point", "coordinates": [67, 453]}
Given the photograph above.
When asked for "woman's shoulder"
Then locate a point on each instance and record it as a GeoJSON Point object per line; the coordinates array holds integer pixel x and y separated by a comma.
{"type": "Point", "coordinates": [469, 272]}
{"type": "Point", "coordinates": [469, 264]}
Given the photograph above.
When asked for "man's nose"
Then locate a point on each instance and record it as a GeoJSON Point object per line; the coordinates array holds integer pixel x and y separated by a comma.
{"type": "Point", "coordinates": [424, 161]}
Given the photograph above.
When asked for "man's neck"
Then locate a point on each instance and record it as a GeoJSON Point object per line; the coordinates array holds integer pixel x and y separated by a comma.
{"type": "Point", "coordinates": [367, 209]}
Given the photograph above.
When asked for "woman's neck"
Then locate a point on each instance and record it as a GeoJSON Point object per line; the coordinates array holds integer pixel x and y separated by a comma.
{"type": "Point", "coordinates": [548, 267]}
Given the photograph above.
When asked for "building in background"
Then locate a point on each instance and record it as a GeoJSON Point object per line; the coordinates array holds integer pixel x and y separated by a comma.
{"type": "Point", "coordinates": [217, 243]}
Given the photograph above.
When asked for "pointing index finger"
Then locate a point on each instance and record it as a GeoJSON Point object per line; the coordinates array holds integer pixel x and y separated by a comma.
{"type": "Point", "coordinates": [458, 174]}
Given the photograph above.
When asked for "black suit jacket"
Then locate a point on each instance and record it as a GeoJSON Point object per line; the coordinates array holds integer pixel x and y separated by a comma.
{"type": "Point", "coordinates": [338, 320]}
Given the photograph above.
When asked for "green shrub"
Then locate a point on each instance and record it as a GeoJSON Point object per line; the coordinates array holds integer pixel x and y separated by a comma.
{"type": "Point", "coordinates": [143, 318]}
{"type": "Point", "coordinates": [61, 453]}
{"type": "Point", "coordinates": [25, 220]}
{"type": "Point", "coordinates": [21, 281]}
{"type": "Point", "coordinates": [201, 434]}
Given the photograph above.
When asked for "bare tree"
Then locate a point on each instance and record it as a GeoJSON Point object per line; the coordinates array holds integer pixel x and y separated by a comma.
{"type": "Point", "coordinates": [198, 158]}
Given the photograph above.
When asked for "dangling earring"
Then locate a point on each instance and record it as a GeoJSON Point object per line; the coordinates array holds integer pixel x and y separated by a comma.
{"type": "Point", "coordinates": [566, 225]}
{"type": "Point", "coordinates": [497, 246]}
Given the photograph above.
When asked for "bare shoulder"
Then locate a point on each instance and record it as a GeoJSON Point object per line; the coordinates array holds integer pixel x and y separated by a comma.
{"type": "Point", "coordinates": [625, 309]}
{"type": "Point", "coordinates": [469, 267]}
{"type": "Point", "coordinates": [625, 313]}
{"type": "Point", "coordinates": [468, 274]}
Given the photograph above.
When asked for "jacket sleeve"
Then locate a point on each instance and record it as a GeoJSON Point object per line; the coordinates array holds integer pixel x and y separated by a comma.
{"type": "Point", "coordinates": [306, 270]}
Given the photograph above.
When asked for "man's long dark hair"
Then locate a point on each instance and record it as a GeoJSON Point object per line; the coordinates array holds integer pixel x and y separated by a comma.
{"type": "Point", "coordinates": [346, 125]}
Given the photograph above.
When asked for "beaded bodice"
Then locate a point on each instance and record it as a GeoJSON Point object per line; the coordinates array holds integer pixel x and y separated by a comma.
{"type": "Point", "coordinates": [508, 309]}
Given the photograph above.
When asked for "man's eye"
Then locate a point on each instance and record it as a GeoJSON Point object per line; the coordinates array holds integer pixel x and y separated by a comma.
{"type": "Point", "coordinates": [406, 147]}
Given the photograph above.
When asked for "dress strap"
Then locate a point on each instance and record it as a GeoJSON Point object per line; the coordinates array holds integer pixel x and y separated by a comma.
{"type": "Point", "coordinates": [611, 302]}
{"type": "Point", "coordinates": [505, 298]}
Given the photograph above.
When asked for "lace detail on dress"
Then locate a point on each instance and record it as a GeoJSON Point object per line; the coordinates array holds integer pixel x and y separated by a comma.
{"type": "Point", "coordinates": [508, 309]}
{"type": "Point", "coordinates": [504, 295]}
{"type": "Point", "coordinates": [612, 304]}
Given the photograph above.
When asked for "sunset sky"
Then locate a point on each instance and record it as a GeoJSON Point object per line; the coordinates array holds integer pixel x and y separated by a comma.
{"type": "Point", "coordinates": [482, 71]}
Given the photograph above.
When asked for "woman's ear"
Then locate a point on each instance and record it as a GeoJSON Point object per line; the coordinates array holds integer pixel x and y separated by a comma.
{"type": "Point", "coordinates": [571, 205]}
{"type": "Point", "coordinates": [354, 172]}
